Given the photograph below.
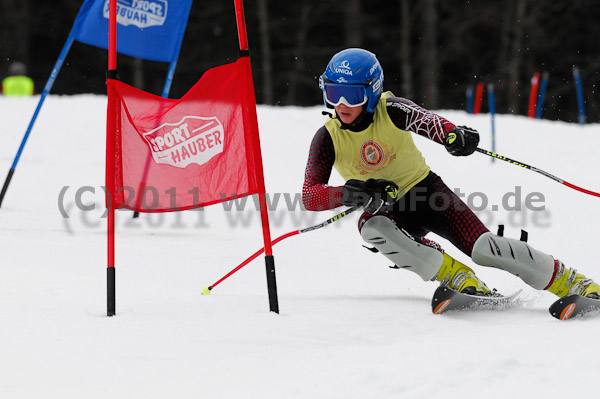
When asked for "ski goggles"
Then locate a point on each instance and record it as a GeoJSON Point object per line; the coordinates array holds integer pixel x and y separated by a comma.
{"type": "Point", "coordinates": [350, 95]}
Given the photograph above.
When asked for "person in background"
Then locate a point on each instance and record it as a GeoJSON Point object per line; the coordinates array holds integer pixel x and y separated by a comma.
{"type": "Point", "coordinates": [368, 141]}
{"type": "Point", "coordinates": [17, 84]}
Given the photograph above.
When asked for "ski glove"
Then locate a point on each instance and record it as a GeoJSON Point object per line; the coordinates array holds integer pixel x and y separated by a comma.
{"type": "Point", "coordinates": [372, 194]}
{"type": "Point", "coordinates": [461, 141]}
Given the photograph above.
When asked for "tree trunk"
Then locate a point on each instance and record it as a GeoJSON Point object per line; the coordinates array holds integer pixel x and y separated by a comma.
{"type": "Point", "coordinates": [353, 23]}
{"type": "Point", "coordinates": [265, 52]}
{"type": "Point", "coordinates": [407, 78]}
{"type": "Point", "coordinates": [429, 49]}
{"type": "Point", "coordinates": [14, 32]}
{"type": "Point", "coordinates": [300, 62]}
{"type": "Point", "coordinates": [137, 65]}
{"type": "Point", "coordinates": [516, 57]}
{"type": "Point", "coordinates": [505, 39]}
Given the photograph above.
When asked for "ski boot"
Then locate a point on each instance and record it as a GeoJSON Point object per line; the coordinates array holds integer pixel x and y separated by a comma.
{"type": "Point", "coordinates": [461, 278]}
{"type": "Point", "coordinates": [568, 282]}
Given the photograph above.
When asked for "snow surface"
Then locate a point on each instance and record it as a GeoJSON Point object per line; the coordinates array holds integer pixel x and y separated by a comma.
{"type": "Point", "coordinates": [349, 326]}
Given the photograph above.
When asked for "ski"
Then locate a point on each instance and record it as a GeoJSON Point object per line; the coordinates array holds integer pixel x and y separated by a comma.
{"type": "Point", "coordinates": [446, 299]}
{"type": "Point", "coordinates": [574, 306]}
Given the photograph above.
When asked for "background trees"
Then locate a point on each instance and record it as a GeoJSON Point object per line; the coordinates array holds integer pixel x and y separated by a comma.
{"type": "Point", "coordinates": [431, 50]}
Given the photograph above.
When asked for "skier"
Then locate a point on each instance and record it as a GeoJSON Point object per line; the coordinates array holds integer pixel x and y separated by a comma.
{"type": "Point", "coordinates": [17, 84]}
{"type": "Point", "coordinates": [369, 143]}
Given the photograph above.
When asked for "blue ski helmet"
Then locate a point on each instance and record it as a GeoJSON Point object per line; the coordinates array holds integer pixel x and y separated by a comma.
{"type": "Point", "coordinates": [349, 74]}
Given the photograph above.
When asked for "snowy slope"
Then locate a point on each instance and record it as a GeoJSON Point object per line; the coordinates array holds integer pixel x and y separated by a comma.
{"type": "Point", "coordinates": [349, 327]}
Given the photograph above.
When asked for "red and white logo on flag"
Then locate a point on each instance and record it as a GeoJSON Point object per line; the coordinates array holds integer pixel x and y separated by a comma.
{"type": "Point", "coordinates": [192, 140]}
{"type": "Point", "coordinates": [175, 154]}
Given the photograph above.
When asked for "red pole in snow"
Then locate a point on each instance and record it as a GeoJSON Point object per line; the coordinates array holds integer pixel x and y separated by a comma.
{"type": "Point", "coordinates": [478, 98]}
{"type": "Point", "coordinates": [110, 158]}
{"type": "Point", "coordinates": [535, 84]}
{"type": "Point", "coordinates": [251, 110]}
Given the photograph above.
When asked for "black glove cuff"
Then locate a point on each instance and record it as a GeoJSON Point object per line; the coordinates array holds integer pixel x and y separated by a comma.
{"type": "Point", "coordinates": [354, 193]}
{"type": "Point", "coordinates": [462, 141]}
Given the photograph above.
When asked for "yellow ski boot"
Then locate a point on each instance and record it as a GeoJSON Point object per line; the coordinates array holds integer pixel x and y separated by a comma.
{"type": "Point", "coordinates": [568, 282]}
{"type": "Point", "coordinates": [461, 278]}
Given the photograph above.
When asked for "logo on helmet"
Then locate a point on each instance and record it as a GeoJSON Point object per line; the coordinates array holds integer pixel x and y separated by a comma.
{"type": "Point", "coordinates": [377, 84]}
{"type": "Point", "coordinates": [374, 67]}
{"type": "Point", "coordinates": [193, 139]}
{"type": "Point", "coordinates": [344, 67]}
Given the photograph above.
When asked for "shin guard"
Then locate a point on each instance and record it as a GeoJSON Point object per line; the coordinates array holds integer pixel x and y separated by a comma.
{"type": "Point", "coordinates": [400, 248]}
{"type": "Point", "coordinates": [532, 266]}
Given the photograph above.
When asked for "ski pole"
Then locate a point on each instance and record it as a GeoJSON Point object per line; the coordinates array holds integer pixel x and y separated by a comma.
{"type": "Point", "coordinates": [524, 165]}
{"type": "Point", "coordinates": [207, 290]}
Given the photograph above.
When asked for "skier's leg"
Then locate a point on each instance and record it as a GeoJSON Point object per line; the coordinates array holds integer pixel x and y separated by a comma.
{"type": "Point", "coordinates": [537, 269]}
{"type": "Point", "coordinates": [401, 248]}
{"type": "Point", "coordinates": [437, 208]}
{"type": "Point", "coordinates": [422, 256]}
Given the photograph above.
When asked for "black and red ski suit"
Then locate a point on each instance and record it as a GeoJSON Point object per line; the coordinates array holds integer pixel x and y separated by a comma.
{"type": "Point", "coordinates": [429, 206]}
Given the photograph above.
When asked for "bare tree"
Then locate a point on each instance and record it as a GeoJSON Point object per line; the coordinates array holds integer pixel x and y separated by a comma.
{"type": "Point", "coordinates": [137, 66]}
{"type": "Point", "coordinates": [14, 31]}
{"type": "Point", "coordinates": [353, 23]}
{"type": "Point", "coordinates": [429, 51]}
{"type": "Point", "coordinates": [265, 52]}
{"type": "Point", "coordinates": [516, 57]}
{"type": "Point", "coordinates": [407, 84]}
{"type": "Point", "coordinates": [300, 53]}
{"type": "Point", "coordinates": [505, 37]}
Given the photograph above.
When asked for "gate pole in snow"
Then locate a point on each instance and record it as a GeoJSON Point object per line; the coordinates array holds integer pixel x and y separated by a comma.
{"type": "Point", "coordinates": [478, 98]}
{"type": "Point", "coordinates": [269, 259]}
{"type": "Point", "coordinates": [578, 87]}
{"type": "Point", "coordinates": [492, 105]}
{"type": "Point", "coordinates": [469, 94]}
{"type": "Point", "coordinates": [110, 167]}
{"type": "Point", "coordinates": [533, 94]}
{"type": "Point", "coordinates": [541, 94]}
